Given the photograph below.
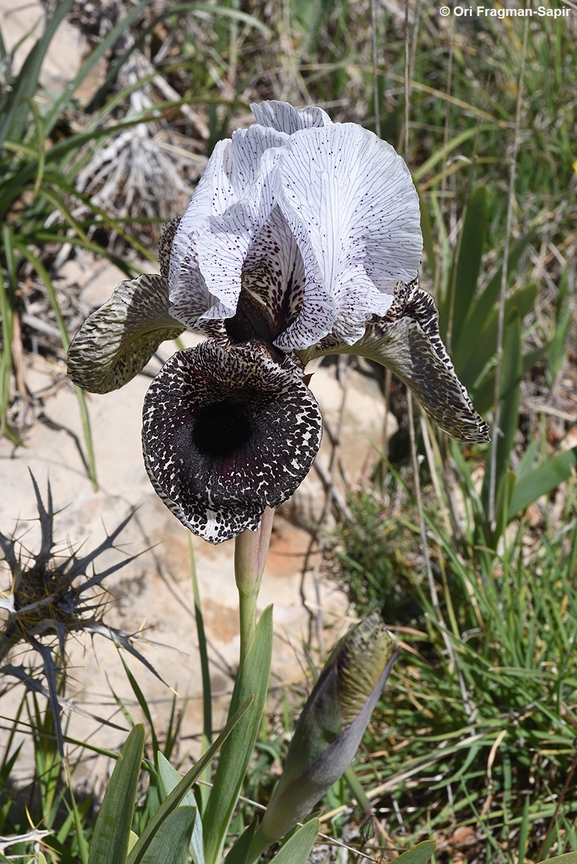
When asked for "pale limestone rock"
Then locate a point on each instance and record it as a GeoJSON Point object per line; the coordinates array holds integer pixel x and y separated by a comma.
{"type": "Point", "coordinates": [64, 57]}
{"type": "Point", "coordinates": [362, 436]}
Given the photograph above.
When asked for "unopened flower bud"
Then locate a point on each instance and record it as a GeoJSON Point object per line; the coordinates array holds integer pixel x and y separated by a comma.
{"type": "Point", "coordinates": [330, 727]}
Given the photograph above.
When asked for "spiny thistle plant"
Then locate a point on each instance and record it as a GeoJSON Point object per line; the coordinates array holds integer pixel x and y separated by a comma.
{"type": "Point", "coordinates": [48, 600]}
{"type": "Point", "coordinates": [302, 239]}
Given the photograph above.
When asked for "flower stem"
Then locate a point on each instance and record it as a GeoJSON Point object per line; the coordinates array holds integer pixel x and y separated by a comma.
{"type": "Point", "coordinates": [250, 551]}
{"type": "Point", "coordinates": [247, 613]}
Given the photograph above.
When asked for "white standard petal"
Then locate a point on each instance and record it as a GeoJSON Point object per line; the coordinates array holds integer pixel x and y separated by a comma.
{"type": "Point", "coordinates": [247, 148]}
{"type": "Point", "coordinates": [284, 118]}
{"type": "Point", "coordinates": [189, 296]}
{"type": "Point", "coordinates": [224, 244]}
{"type": "Point", "coordinates": [354, 211]}
{"type": "Point", "coordinates": [217, 222]}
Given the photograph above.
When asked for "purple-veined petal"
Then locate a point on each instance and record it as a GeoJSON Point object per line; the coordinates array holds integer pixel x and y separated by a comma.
{"type": "Point", "coordinates": [217, 232]}
{"type": "Point", "coordinates": [407, 341]}
{"type": "Point", "coordinates": [224, 244]}
{"type": "Point", "coordinates": [118, 339]}
{"type": "Point", "coordinates": [227, 433]}
{"type": "Point", "coordinates": [351, 204]}
{"type": "Point", "coordinates": [284, 118]}
{"type": "Point", "coordinates": [189, 296]}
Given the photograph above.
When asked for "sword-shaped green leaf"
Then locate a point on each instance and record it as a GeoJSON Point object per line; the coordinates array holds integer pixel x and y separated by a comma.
{"type": "Point", "coordinates": [170, 779]}
{"type": "Point", "coordinates": [112, 830]}
{"type": "Point", "coordinates": [462, 286]}
{"type": "Point", "coordinates": [542, 480]}
{"type": "Point", "coordinates": [298, 848]}
{"type": "Point", "coordinates": [252, 679]}
{"type": "Point", "coordinates": [420, 854]}
{"type": "Point", "coordinates": [173, 801]}
{"type": "Point", "coordinates": [170, 843]}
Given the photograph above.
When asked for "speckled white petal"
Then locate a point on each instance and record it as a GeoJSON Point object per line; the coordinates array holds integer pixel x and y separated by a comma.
{"type": "Point", "coordinates": [285, 118]}
{"type": "Point", "coordinates": [221, 219]}
{"type": "Point", "coordinates": [225, 242]}
{"type": "Point", "coordinates": [247, 149]}
{"type": "Point", "coordinates": [354, 211]}
{"type": "Point", "coordinates": [274, 276]}
{"type": "Point", "coordinates": [189, 295]}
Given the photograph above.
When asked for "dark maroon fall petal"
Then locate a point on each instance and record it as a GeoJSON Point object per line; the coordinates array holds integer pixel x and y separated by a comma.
{"type": "Point", "coordinates": [226, 433]}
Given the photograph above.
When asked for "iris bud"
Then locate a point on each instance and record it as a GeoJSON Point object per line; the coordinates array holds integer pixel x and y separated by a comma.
{"type": "Point", "coordinates": [330, 727]}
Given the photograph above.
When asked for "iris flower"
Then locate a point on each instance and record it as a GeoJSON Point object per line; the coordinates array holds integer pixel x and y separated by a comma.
{"type": "Point", "coordinates": [302, 239]}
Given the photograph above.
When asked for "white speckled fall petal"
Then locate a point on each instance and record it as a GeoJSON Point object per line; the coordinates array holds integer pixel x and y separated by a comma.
{"type": "Point", "coordinates": [285, 118]}
{"type": "Point", "coordinates": [227, 433]}
{"type": "Point", "coordinates": [118, 339]}
{"type": "Point", "coordinates": [354, 211]}
{"type": "Point", "coordinates": [407, 341]}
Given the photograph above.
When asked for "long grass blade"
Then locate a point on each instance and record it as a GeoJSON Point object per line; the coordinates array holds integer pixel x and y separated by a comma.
{"type": "Point", "coordinates": [204, 668]}
{"type": "Point", "coordinates": [7, 310]}
{"type": "Point", "coordinates": [15, 112]}
{"type": "Point", "coordinates": [501, 326]}
{"type": "Point", "coordinates": [65, 339]}
{"type": "Point", "coordinates": [112, 830]}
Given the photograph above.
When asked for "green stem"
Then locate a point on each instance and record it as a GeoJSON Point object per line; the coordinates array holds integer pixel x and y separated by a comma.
{"type": "Point", "coordinates": [250, 551]}
{"type": "Point", "coordinates": [247, 614]}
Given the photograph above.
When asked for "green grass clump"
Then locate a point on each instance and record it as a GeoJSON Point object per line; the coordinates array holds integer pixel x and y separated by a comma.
{"type": "Point", "coordinates": [480, 718]}
{"type": "Point", "coordinates": [371, 565]}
